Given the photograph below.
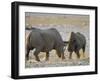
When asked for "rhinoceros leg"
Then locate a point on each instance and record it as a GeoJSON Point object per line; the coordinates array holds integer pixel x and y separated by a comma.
{"type": "Point", "coordinates": [78, 55]}
{"type": "Point", "coordinates": [83, 51]}
{"type": "Point", "coordinates": [70, 57]}
{"type": "Point", "coordinates": [27, 54]}
{"type": "Point", "coordinates": [37, 51]}
{"type": "Point", "coordinates": [47, 56]}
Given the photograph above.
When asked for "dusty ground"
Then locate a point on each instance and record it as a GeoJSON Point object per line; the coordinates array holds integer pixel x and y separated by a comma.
{"type": "Point", "coordinates": [80, 24]}
{"type": "Point", "coordinates": [55, 61]}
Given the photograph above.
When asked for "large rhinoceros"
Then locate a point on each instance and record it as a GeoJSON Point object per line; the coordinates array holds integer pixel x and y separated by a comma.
{"type": "Point", "coordinates": [44, 41]}
{"type": "Point", "coordinates": [77, 41]}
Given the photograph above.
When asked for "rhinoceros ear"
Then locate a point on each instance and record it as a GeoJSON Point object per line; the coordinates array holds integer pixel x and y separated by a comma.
{"type": "Point", "coordinates": [72, 33]}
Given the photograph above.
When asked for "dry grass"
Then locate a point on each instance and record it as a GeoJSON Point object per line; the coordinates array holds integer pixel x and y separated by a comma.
{"type": "Point", "coordinates": [76, 20]}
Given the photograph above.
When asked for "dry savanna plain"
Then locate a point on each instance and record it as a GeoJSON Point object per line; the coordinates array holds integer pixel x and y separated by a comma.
{"type": "Point", "coordinates": [65, 24]}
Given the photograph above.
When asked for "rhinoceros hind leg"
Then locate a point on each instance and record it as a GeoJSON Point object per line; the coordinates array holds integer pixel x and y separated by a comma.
{"type": "Point", "coordinates": [27, 54]}
{"type": "Point", "coordinates": [70, 56]}
{"type": "Point", "coordinates": [78, 55]}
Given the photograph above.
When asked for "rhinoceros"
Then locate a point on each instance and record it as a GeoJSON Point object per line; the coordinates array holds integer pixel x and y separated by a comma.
{"type": "Point", "coordinates": [44, 41]}
{"type": "Point", "coordinates": [77, 41]}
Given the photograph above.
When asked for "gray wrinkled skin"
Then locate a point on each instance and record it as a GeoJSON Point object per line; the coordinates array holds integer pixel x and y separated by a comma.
{"type": "Point", "coordinates": [44, 41]}
{"type": "Point", "coordinates": [77, 41]}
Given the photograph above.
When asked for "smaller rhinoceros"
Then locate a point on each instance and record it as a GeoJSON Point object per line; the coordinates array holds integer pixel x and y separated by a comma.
{"type": "Point", "coordinates": [77, 41]}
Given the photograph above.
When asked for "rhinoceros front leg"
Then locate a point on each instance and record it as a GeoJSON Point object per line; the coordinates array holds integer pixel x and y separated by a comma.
{"type": "Point", "coordinates": [47, 56]}
{"type": "Point", "coordinates": [37, 51]}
